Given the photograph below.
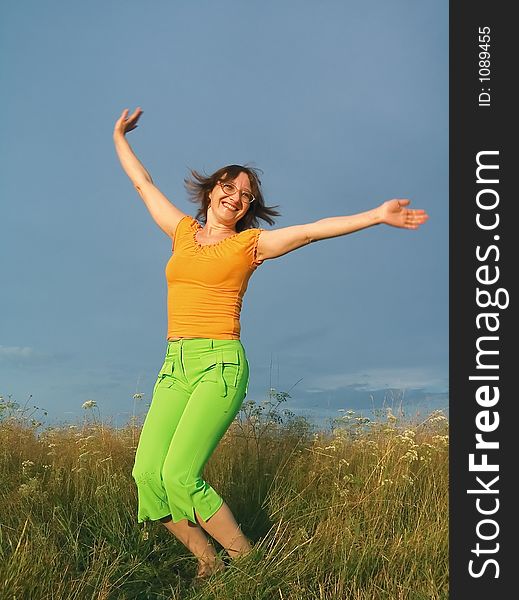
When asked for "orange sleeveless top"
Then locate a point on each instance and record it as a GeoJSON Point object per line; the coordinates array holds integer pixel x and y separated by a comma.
{"type": "Point", "coordinates": [206, 283]}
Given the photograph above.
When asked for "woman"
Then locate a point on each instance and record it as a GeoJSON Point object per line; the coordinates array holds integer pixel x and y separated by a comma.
{"type": "Point", "coordinates": [203, 380]}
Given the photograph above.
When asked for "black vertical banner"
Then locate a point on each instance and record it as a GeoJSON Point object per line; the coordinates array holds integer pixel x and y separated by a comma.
{"type": "Point", "coordinates": [484, 255]}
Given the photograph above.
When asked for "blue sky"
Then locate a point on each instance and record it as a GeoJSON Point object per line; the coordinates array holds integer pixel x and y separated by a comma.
{"type": "Point", "coordinates": [342, 105]}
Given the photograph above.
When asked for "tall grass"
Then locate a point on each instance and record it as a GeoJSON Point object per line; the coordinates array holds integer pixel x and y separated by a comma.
{"type": "Point", "coordinates": [357, 512]}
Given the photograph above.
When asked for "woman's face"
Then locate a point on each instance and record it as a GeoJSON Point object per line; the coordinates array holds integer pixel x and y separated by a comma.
{"type": "Point", "coordinates": [230, 208]}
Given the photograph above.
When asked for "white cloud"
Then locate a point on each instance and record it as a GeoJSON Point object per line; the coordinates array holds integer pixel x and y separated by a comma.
{"type": "Point", "coordinates": [16, 352]}
{"type": "Point", "coordinates": [17, 356]}
{"type": "Point", "coordinates": [382, 378]}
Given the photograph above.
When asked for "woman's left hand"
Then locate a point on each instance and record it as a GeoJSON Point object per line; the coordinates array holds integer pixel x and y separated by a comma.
{"type": "Point", "coordinates": [396, 213]}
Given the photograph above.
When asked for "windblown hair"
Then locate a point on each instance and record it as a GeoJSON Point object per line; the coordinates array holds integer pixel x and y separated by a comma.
{"type": "Point", "coordinates": [199, 186]}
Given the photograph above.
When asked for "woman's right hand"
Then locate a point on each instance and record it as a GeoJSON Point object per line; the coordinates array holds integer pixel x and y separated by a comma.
{"type": "Point", "coordinates": [125, 123]}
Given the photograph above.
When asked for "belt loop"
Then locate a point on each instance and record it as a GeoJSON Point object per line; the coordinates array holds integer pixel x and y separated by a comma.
{"type": "Point", "coordinates": [223, 385]}
{"type": "Point", "coordinates": [182, 355]}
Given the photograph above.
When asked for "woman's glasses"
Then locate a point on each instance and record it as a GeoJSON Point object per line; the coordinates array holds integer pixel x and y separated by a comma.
{"type": "Point", "coordinates": [230, 189]}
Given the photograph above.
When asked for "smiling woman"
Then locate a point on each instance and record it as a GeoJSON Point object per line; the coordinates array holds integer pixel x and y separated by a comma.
{"type": "Point", "coordinates": [204, 379]}
{"type": "Point", "coordinates": [236, 185]}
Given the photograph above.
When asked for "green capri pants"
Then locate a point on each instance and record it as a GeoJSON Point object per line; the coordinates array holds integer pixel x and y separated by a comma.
{"type": "Point", "coordinates": [199, 390]}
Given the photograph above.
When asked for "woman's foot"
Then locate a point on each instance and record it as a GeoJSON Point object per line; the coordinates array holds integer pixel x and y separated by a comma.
{"type": "Point", "coordinates": [208, 568]}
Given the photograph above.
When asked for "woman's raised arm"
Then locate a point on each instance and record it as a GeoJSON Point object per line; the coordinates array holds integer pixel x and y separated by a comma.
{"type": "Point", "coordinates": [277, 242]}
{"type": "Point", "coordinates": [163, 212]}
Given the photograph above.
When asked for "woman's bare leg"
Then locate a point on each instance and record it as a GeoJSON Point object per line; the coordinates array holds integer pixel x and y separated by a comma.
{"type": "Point", "coordinates": [222, 526]}
{"type": "Point", "coordinates": [193, 537]}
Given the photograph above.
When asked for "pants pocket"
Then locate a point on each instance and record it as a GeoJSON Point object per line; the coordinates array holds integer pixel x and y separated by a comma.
{"type": "Point", "coordinates": [165, 375]}
{"type": "Point", "coordinates": [221, 366]}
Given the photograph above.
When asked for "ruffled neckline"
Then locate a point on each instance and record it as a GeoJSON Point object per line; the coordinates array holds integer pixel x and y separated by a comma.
{"type": "Point", "coordinates": [197, 227]}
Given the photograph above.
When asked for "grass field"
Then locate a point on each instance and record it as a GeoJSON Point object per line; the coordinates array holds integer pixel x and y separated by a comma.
{"type": "Point", "coordinates": [357, 512]}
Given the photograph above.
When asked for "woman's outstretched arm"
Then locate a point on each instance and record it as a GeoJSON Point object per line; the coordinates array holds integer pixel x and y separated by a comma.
{"type": "Point", "coordinates": [163, 212]}
{"type": "Point", "coordinates": [277, 242]}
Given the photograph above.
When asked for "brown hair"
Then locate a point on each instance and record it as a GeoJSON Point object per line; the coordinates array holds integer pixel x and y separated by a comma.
{"type": "Point", "coordinates": [199, 186]}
